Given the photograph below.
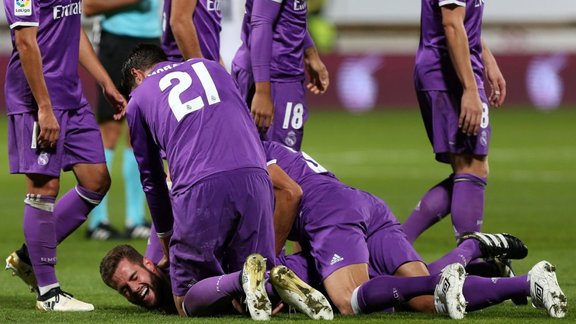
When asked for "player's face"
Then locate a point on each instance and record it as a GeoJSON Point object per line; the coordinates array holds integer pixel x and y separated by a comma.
{"type": "Point", "coordinates": [138, 283]}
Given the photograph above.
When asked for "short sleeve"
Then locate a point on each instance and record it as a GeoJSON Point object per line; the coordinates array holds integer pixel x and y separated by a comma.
{"type": "Point", "coordinates": [22, 13]}
{"type": "Point", "coordinates": [461, 3]}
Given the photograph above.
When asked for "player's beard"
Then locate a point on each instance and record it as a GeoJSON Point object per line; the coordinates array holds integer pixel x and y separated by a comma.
{"type": "Point", "coordinates": [161, 284]}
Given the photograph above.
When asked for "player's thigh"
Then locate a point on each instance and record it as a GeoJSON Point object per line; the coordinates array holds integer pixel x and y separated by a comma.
{"type": "Point", "coordinates": [341, 284]}
{"type": "Point", "coordinates": [469, 163]}
{"type": "Point", "coordinates": [290, 114]}
{"type": "Point", "coordinates": [208, 230]}
{"type": "Point", "coordinates": [253, 199]}
{"type": "Point", "coordinates": [84, 151]}
{"type": "Point", "coordinates": [389, 250]}
{"type": "Point", "coordinates": [25, 156]}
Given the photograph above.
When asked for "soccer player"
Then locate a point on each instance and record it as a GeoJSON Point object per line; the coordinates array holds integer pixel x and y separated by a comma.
{"type": "Point", "coordinates": [269, 68]}
{"type": "Point", "coordinates": [191, 29]}
{"type": "Point", "coordinates": [52, 128]}
{"type": "Point", "coordinates": [451, 63]}
{"type": "Point", "coordinates": [220, 206]}
{"type": "Point", "coordinates": [123, 24]}
{"type": "Point", "coordinates": [353, 236]}
{"type": "Point", "coordinates": [142, 283]}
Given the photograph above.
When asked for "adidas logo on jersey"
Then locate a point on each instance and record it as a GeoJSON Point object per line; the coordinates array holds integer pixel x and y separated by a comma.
{"type": "Point", "coordinates": [335, 259]}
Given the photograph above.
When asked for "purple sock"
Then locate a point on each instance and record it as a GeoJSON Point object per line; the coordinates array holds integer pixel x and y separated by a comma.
{"type": "Point", "coordinates": [385, 291]}
{"type": "Point", "coordinates": [467, 203]}
{"type": "Point", "coordinates": [206, 295]}
{"type": "Point", "coordinates": [483, 292]}
{"type": "Point", "coordinates": [40, 236]}
{"type": "Point", "coordinates": [463, 254]}
{"type": "Point", "coordinates": [72, 210]}
{"type": "Point", "coordinates": [434, 206]}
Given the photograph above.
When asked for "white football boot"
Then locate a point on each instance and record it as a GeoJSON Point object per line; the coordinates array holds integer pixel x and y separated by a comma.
{"type": "Point", "coordinates": [21, 269]}
{"type": "Point", "coordinates": [545, 290]}
{"type": "Point", "coordinates": [57, 300]}
{"type": "Point", "coordinates": [448, 295]}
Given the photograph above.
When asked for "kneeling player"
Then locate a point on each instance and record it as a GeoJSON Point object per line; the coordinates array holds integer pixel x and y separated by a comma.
{"type": "Point", "coordinates": [353, 236]}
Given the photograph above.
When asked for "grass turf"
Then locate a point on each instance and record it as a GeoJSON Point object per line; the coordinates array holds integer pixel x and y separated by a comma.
{"type": "Point", "coordinates": [530, 194]}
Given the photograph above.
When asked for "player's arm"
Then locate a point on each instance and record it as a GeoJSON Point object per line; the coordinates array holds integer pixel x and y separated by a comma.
{"type": "Point", "coordinates": [317, 72]}
{"type": "Point", "coordinates": [97, 7]}
{"type": "Point", "coordinates": [457, 41]}
{"type": "Point", "coordinates": [31, 60]}
{"type": "Point", "coordinates": [89, 60]}
{"type": "Point", "coordinates": [183, 28]}
{"type": "Point", "coordinates": [264, 13]}
{"type": "Point", "coordinates": [152, 176]}
{"type": "Point", "coordinates": [287, 195]}
{"type": "Point", "coordinates": [494, 77]}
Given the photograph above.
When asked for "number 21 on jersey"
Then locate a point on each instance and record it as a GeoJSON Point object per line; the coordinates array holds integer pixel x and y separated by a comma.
{"type": "Point", "coordinates": [179, 108]}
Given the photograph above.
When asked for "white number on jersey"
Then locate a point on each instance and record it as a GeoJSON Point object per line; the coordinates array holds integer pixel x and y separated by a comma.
{"type": "Point", "coordinates": [312, 164]}
{"type": "Point", "coordinates": [294, 116]}
{"type": "Point", "coordinates": [179, 108]}
{"type": "Point", "coordinates": [485, 120]}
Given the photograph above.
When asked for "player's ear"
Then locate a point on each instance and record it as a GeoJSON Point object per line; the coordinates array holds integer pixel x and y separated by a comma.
{"type": "Point", "coordinates": [148, 264]}
{"type": "Point", "coordinates": [138, 75]}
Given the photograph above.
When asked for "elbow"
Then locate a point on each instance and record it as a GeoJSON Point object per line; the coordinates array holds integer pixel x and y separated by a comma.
{"type": "Point", "coordinates": [294, 194]}
{"type": "Point", "coordinates": [23, 44]}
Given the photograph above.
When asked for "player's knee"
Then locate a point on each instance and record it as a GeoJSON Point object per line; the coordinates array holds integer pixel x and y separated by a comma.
{"type": "Point", "coordinates": [100, 183]}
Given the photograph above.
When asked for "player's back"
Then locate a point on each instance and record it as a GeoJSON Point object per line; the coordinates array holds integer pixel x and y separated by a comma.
{"type": "Point", "coordinates": [195, 114]}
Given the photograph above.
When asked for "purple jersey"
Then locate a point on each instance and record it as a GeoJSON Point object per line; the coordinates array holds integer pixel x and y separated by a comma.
{"type": "Point", "coordinates": [206, 19]}
{"type": "Point", "coordinates": [274, 36]}
{"type": "Point", "coordinates": [58, 37]}
{"type": "Point", "coordinates": [434, 69]}
{"type": "Point", "coordinates": [193, 112]}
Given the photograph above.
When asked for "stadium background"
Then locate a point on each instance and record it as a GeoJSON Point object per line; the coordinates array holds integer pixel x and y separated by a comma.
{"type": "Point", "coordinates": [367, 129]}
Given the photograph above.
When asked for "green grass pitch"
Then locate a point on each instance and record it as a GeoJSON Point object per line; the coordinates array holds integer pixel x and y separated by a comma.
{"type": "Point", "coordinates": [531, 193]}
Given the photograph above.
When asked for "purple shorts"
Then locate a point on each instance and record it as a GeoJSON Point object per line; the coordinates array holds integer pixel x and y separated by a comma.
{"type": "Point", "coordinates": [350, 226]}
{"type": "Point", "coordinates": [290, 108]}
{"type": "Point", "coordinates": [79, 142]}
{"type": "Point", "coordinates": [440, 111]}
{"type": "Point", "coordinates": [219, 222]}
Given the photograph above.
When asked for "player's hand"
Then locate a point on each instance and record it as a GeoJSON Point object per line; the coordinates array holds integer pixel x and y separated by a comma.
{"type": "Point", "coordinates": [163, 263]}
{"type": "Point", "coordinates": [49, 128]}
{"type": "Point", "coordinates": [470, 113]}
{"type": "Point", "coordinates": [262, 110]}
{"type": "Point", "coordinates": [318, 75]}
{"type": "Point", "coordinates": [116, 99]}
{"type": "Point", "coordinates": [497, 85]}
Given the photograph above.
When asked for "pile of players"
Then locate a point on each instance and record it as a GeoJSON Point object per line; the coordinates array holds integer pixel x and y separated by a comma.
{"type": "Point", "coordinates": [237, 193]}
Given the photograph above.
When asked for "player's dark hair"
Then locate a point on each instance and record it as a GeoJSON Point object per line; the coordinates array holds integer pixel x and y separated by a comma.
{"type": "Point", "coordinates": [142, 57]}
{"type": "Point", "coordinates": [111, 260]}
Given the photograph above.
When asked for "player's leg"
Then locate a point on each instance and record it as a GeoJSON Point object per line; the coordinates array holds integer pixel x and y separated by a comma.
{"type": "Point", "coordinates": [470, 175]}
{"type": "Point", "coordinates": [99, 223]}
{"type": "Point", "coordinates": [89, 166]}
{"type": "Point", "coordinates": [210, 233]}
{"type": "Point", "coordinates": [42, 169]}
{"type": "Point", "coordinates": [469, 160]}
{"type": "Point", "coordinates": [112, 52]}
{"type": "Point", "coordinates": [540, 284]}
{"type": "Point", "coordinates": [432, 207]}
{"type": "Point", "coordinates": [135, 222]}
{"type": "Point", "coordinates": [436, 203]}
{"type": "Point", "coordinates": [290, 114]}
